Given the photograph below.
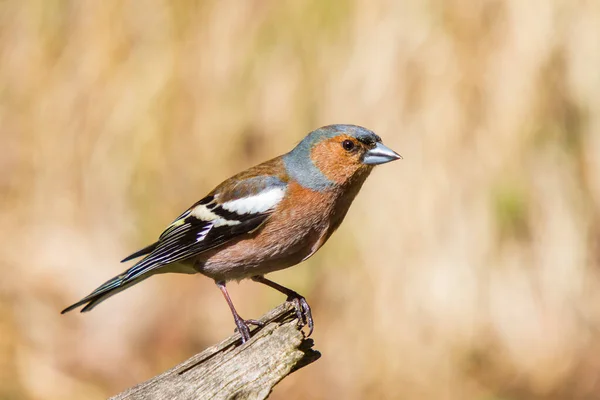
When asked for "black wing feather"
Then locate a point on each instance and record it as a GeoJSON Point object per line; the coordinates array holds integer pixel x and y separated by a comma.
{"type": "Point", "coordinates": [146, 250]}
{"type": "Point", "coordinates": [181, 242]}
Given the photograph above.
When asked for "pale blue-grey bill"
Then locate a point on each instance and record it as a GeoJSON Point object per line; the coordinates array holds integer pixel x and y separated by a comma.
{"type": "Point", "coordinates": [380, 154]}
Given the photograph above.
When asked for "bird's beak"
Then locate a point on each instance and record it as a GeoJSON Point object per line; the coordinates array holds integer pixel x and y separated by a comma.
{"type": "Point", "coordinates": [380, 154]}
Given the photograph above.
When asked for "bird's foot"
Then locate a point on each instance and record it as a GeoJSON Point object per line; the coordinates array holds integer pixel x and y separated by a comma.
{"type": "Point", "coordinates": [243, 327]}
{"type": "Point", "coordinates": [303, 312]}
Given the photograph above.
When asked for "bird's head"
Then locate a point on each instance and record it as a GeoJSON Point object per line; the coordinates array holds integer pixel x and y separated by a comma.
{"type": "Point", "coordinates": [333, 155]}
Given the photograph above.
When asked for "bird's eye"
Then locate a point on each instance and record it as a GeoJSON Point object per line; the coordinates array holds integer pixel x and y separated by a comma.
{"type": "Point", "coordinates": [348, 145]}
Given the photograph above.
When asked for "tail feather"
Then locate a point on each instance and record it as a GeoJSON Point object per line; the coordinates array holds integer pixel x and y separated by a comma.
{"type": "Point", "coordinates": [100, 298]}
{"type": "Point", "coordinates": [140, 271]}
{"type": "Point", "coordinates": [106, 290]}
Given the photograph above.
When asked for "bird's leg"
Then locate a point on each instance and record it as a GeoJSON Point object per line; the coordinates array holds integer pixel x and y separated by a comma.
{"type": "Point", "coordinates": [302, 308]}
{"type": "Point", "coordinates": [240, 323]}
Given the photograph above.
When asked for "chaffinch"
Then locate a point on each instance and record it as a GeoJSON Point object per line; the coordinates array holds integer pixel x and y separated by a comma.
{"type": "Point", "coordinates": [269, 217]}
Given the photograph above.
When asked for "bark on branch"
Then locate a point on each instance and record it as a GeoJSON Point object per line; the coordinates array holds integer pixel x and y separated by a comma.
{"type": "Point", "coordinates": [232, 370]}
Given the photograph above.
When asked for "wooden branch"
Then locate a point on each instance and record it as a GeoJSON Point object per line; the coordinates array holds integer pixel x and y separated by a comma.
{"type": "Point", "coordinates": [232, 370]}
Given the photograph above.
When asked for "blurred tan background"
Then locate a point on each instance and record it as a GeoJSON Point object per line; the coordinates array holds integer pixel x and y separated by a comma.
{"type": "Point", "coordinates": [469, 270]}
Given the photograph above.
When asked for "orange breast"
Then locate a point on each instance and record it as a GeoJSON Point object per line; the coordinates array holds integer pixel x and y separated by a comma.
{"type": "Point", "coordinates": [298, 227]}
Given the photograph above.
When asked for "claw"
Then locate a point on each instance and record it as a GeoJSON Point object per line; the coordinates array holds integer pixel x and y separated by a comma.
{"type": "Point", "coordinates": [247, 323]}
{"type": "Point", "coordinates": [303, 312]}
{"type": "Point", "coordinates": [243, 327]}
{"type": "Point", "coordinates": [255, 322]}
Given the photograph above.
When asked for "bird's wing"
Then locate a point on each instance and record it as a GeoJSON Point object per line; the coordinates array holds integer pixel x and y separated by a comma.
{"type": "Point", "coordinates": [226, 213]}
{"type": "Point", "coordinates": [237, 207]}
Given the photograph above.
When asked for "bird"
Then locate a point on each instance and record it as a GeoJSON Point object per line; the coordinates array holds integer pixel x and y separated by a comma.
{"type": "Point", "coordinates": [269, 217]}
